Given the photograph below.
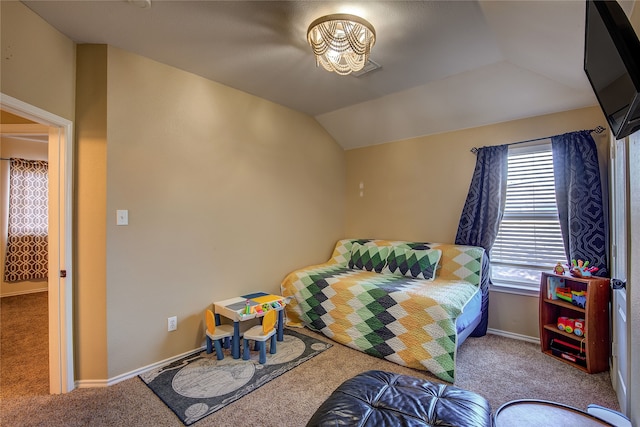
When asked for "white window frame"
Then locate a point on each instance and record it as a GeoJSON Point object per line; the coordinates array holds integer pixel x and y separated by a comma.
{"type": "Point", "coordinates": [531, 286]}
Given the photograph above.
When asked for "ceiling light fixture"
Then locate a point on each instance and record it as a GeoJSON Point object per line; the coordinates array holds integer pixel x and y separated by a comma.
{"type": "Point", "coordinates": [341, 42]}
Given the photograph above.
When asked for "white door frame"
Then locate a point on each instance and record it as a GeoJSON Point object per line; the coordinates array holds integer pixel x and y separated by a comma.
{"type": "Point", "coordinates": [620, 353]}
{"type": "Point", "coordinates": [61, 375]}
{"type": "Point", "coordinates": [633, 280]}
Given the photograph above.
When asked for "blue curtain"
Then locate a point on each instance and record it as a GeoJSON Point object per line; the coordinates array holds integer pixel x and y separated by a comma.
{"type": "Point", "coordinates": [579, 199]}
{"type": "Point", "coordinates": [482, 212]}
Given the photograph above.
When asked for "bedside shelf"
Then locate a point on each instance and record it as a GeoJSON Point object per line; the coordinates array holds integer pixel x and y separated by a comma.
{"type": "Point", "coordinates": [595, 341]}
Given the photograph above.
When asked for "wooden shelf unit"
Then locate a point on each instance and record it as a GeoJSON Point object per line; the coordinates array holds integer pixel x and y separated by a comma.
{"type": "Point", "coordinates": [595, 340]}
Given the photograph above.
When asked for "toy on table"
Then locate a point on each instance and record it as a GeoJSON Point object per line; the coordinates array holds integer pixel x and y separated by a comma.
{"type": "Point", "coordinates": [581, 268]}
{"type": "Point", "coordinates": [559, 269]}
{"type": "Point", "coordinates": [260, 305]}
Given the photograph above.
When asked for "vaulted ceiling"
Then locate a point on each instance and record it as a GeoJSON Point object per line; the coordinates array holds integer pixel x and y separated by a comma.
{"type": "Point", "coordinates": [446, 65]}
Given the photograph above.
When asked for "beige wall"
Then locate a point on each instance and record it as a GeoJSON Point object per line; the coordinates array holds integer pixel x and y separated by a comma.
{"type": "Point", "coordinates": [90, 332]}
{"type": "Point", "coordinates": [415, 190]}
{"type": "Point", "coordinates": [37, 61]}
{"type": "Point", "coordinates": [227, 177]}
{"type": "Point", "coordinates": [30, 150]}
{"type": "Point", "coordinates": [226, 194]}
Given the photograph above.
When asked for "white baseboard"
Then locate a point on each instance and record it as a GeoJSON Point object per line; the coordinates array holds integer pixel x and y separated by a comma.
{"type": "Point", "coordinates": [513, 335]}
{"type": "Point", "coordinates": [25, 292]}
{"type": "Point", "coordinates": [91, 383]}
{"type": "Point", "coordinates": [134, 373]}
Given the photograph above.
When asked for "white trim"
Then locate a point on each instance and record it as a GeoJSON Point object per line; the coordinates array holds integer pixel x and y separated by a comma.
{"type": "Point", "coordinates": [24, 292]}
{"type": "Point", "coordinates": [142, 370]}
{"type": "Point", "coordinates": [524, 290]}
{"type": "Point", "coordinates": [61, 372]}
{"type": "Point", "coordinates": [91, 383]}
{"type": "Point", "coordinates": [28, 111]}
{"type": "Point", "coordinates": [514, 336]}
{"type": "Point", "coordinates": [135, 372]}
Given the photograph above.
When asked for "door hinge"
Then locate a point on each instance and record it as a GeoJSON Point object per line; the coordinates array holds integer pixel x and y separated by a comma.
{"type": "Point", "coordinates": [63, 273]}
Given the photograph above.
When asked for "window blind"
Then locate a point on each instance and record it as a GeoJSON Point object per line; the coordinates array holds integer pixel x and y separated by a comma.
{"type": "Point", "coordinates": [529, 235]}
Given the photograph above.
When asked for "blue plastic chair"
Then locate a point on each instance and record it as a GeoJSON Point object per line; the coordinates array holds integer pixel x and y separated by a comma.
{"type": "Point", "coordinates": [215, 335]}
{"type": "Point", "coordinates": [260, 334]}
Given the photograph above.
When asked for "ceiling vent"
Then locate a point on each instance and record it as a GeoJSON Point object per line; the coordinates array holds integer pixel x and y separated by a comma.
{"type": "Point", "coordinates": [369, 66]}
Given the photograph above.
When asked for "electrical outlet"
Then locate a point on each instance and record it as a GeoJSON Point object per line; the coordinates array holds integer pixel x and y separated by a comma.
{"type": "Point", "coordinates": [172, 323]}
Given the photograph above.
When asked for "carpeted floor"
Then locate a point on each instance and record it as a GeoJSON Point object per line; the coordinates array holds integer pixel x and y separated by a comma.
{"type": "Point", "coordinates": [24, 345]}
{"type": "Point", "coordinates": [498, 368]}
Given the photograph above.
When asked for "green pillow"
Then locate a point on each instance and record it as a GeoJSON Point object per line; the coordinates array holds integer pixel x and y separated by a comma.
{"type": "Point", "coordinates": [368, 257]}
{"type": "Point", "coordinates": [416, 263]}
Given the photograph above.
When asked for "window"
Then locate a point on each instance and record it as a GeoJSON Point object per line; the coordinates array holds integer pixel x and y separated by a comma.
{"type": "Point", "coordinates": [27, 239]}
{"type": "Point", "coordinates": [529, 238]}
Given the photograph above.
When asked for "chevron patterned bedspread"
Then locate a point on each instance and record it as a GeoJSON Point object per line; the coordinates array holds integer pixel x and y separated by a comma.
{"type": "Point", "coordinates": [405, 320]}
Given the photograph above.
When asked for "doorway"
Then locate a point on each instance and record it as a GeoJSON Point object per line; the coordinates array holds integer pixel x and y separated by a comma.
{"type": "Point", "coordinates": [24, 304]}
{"type": "Point", "coordinates": [60, 285]}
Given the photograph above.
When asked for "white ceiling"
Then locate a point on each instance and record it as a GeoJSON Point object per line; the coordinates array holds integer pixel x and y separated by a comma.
{"type": "Point", "coordinates": [446, 65]}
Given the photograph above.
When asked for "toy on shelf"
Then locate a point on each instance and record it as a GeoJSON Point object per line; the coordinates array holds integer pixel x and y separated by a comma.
{"type": "Point", "coordinates": [579, 327]}
{"type": "Point", "coordinates": [559, 269]}
{"type": "Point", "coordinates": [562, 321]}
{"type": "Point", "coordinates": [579, 298]}
{"type": "Point", "coordinates": [564, 294]}
{"type": "Point", "coordinates": [571, 326]}
{"type": "Point", "coordinates": [554, 283]}
{"type": "Point", "coordinates": [581, 268]}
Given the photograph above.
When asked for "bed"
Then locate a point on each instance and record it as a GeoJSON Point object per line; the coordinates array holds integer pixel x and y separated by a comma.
{"type": "Point", "coordinates": [412, 303]}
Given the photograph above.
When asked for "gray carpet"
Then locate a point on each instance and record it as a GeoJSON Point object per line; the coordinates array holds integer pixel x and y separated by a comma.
{"type": "Point", "coordinates": [498, 368]}
{"type": "Point", "coordinates": [503, 369]}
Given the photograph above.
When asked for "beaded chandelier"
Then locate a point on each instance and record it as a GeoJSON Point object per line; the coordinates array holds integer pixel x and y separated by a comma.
{"type": "Point", "coordinates": [341, 42]}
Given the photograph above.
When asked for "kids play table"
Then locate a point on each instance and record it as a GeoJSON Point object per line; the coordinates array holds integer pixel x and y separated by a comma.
{"type": "Point", "coordinates": [259, 303]}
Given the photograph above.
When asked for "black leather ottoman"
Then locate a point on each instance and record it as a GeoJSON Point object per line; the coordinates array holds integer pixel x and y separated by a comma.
{"type": "Point", "coordinates": [378, 398]}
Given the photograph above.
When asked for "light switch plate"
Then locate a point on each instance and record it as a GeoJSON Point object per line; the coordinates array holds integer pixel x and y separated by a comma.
{"type": "Point", "coordinates": [122, 217]}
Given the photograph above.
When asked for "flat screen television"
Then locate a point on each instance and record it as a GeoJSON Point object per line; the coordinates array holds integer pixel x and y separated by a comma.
{"type": "Point", "coordinates": [612, 64]}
